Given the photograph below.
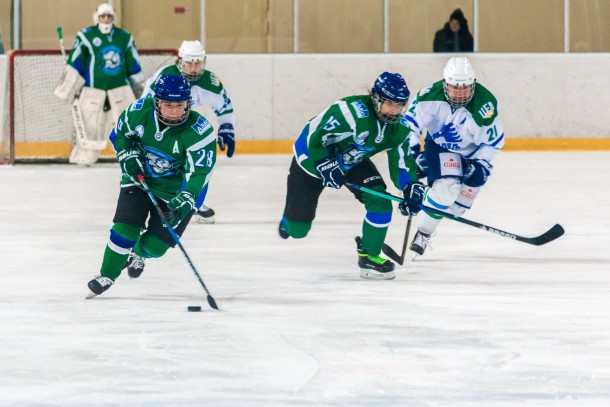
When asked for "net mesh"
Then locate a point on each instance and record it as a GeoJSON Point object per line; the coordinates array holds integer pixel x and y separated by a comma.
{"type": "Point", "coordinates": [42, 123]}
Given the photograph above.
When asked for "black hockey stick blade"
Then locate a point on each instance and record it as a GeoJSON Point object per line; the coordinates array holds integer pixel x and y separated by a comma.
{"type": "Point", "coordinates": [548, 236]}
{"type": "Point", "coordinates": [212, 302]}
{"type": "Point", "coordinates": [391, 253]}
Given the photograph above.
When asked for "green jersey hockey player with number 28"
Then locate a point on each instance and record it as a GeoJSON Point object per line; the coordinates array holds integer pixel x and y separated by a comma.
{"type": "Point", "coordinates": [174, 149]}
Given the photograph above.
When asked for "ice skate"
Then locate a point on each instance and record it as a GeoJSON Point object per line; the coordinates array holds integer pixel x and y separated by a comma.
{"type": "Point", "coordinates": [374, 267]}
{"type": "Point", "coordinates": [205, 215]}
{"type": "Point", "coordinates": [99, 285]}
{"type": "Point", "coordinates": [420, 242]}
{"type": "Point", "coordinates": [135, 265]}
{"type": "Point", "coordinates": [282, 230]}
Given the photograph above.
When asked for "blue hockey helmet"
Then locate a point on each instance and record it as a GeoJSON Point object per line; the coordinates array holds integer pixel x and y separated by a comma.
{"type": "Point", "coordinates": [392, 89]}
{"type": "Point", "coordinates": [172, 89]}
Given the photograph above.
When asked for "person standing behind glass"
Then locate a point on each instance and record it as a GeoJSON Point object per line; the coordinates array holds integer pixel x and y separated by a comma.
{"type": "Point", "coordinates": [455, 36]}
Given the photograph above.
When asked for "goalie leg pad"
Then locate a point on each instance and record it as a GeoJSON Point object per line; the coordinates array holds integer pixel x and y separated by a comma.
{"type": "Point", "coordinates": [91, 103]}
{"type": "Point", "coordinates": [119, 98]}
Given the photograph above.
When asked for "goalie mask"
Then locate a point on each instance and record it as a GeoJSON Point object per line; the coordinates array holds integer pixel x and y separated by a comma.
{"type": "Point", "coordinates": [172, 99]}
{"type": "Point", "coordinates": [390, 96]}
{"type": "Point", "coordinates": [191, 60]}
{"type": "Point", "coordinates": [106, 10]}
{"type": "Point", "coordinates": [459, 82]}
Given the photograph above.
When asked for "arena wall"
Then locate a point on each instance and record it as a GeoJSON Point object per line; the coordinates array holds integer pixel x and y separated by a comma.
{"type": "Point", "coordinates": [548, 101]}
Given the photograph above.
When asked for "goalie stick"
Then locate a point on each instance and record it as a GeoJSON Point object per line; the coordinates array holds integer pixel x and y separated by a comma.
{"type": "Point", "coordinates": [171, 231]}
{"type": "Point", "coordinates": [553, 233]}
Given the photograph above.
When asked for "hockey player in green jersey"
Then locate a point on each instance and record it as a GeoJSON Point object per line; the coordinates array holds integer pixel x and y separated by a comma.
{"type": "Point", "coordinates": [206, 90]}
{"type": "Point", "coordinates": [105, 60]}
{"type": "Point", "coordinates": [175, 150]}
{"type": "Point", "coordinates": [464, 134]}
{"type": "Point", "coordinates": [335, 147]}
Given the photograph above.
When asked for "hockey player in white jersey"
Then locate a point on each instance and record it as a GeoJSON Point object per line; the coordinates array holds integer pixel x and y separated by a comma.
{"type": "Point", "coordinates": [206, 90]}
{"type": "Point", "coordinates": [464, 134]}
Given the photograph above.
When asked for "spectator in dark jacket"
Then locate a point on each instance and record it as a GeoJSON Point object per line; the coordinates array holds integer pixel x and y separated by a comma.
{"type": "Point", "coordinates": [454, 37]}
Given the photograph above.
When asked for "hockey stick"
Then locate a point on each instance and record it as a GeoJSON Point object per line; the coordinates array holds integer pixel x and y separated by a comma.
{"type": "Point", "coordinates": [211, 300]}
{"type": "Point", "coordinates": [553, 233]}
{"type": "Point", "coordinates": [61, 43]}
{"type": "Point", "coordinates": [388, 251]}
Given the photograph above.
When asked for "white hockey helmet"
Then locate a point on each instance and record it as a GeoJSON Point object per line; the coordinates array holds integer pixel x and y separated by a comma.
{"type": "Point", "coordinates": [191, 51]}
{"type": "Point", "coordinates": [102, 9]}
{"type": "Point", "coordinates": [460, 75]}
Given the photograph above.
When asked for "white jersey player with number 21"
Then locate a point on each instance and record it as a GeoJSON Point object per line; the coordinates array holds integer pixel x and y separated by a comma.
{"type": "Point", "coordinates": [464, 133]}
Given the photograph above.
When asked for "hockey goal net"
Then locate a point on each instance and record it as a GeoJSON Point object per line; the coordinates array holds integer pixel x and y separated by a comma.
{"type": "Point", "coordinates": [37, 126]}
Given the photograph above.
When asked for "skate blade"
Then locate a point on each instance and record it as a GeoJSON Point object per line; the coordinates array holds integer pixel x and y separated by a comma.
{"type": "Point", "coordinates": [90, 296]}
{"type": "Point", "coordinates": [368, 274]}
{"type": "Point", "coordinates": [207, 221]}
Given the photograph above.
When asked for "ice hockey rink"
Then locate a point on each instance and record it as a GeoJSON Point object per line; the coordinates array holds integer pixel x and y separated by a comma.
{"type": "Point", "coordinates": [480, 320]}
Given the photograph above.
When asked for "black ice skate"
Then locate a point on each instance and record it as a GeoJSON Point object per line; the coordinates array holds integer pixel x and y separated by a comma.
{"type": "Point", "coordinates": [374, 267]}
{"type": "Point", "coordinates": [282, 230]}
{"type": "Point", "coordinates": [98, 285]}
{"type": "Point", "coordinates": [420, 242]}
{"type": "Point", "coordinates": [205, 215]}
{"type": "Point", "coordinates": [135, 265]}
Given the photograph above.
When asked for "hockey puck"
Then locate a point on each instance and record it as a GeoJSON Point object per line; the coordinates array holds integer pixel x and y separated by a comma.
{"type": "Point", "coordinates": [193, 308]}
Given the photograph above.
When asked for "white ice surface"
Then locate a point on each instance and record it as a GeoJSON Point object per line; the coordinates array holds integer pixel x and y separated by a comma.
{"type": "Point", "coordinates": [479, 321]}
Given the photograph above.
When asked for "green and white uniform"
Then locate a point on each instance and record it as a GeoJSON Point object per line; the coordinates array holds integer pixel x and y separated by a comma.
{"type": "Point", "coordinates": [207, 90]}
{"type": "Point", "coordinates": [174, 159]}
{"type": "Point", "coordinates": [350, 132]}
{"type": "Point", "coordinates": [106, 61]}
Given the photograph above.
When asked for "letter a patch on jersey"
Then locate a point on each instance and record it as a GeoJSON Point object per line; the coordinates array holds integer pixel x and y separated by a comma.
{"type": "Point", "coordinates": [176, 150]}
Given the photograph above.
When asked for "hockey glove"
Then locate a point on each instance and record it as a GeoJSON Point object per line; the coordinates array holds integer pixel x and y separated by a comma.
{"type": "Point", "coordinates": [477, 172]}
{"type": "Point", "coordinates": [331, 173]}
{"type": "Point", "coordinates": [129, 161]}
{"type": "Point", "coordinates": [414, 196]}
{"type": "Point", "coordinates": [420, 160]}
{"type": "Point", "coordinates": [179, 207]}
{"type": "Point", "coordinates": [226, 137]}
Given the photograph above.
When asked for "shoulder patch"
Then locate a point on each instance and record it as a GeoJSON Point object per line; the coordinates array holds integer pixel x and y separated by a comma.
{"type": "Point", "coordinates": [360, 108]}
{"type": "Point", "coordinates": [201, 126]}
{"type": "Point", "coordinates": [214, 79]}
{"type": "Point", "coordinates": [487, 110]}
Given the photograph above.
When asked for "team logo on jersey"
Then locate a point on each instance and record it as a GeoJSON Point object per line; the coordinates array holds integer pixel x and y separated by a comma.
{"type": "Point", "coordinates": [158, 136]}
{"type": "Point", "coordinates": [360, 108]}
{"type": "Point", "coordinates": [379, 138]}
{"type": "Point", "coordinates": [355, 155]}
{"type": "Point", "coordinates": [449, 133]}
{"type": "Point", "coordinates": [120, 124]}
{"type": "Point", "coordinates": [140, 131]}
{"type": "Point", "coordinates": [97, 41]}
{"type": "Point", "coordinates": [111, 56]}
{"type": "Point", "coordinates": [361, 138]}
{"type": "Point", "coordinates": [201, 126]}
{"type": "Point", "coordinates": [159, 164]}
{"type": "Point", "coordinates": [487, 110]}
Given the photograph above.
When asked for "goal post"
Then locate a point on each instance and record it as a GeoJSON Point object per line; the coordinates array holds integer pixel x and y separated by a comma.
{"type": "Point", "coordinates": [38, 126]}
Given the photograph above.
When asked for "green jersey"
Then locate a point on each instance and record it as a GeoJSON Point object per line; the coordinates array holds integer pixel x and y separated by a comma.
{"type": "Point", "coordinates": [174, 158]}
{"type": "Point", "coordinates": [106, 61]}
{"type": "Point", "coordinates": [350, 132]}
{"type": "Point", "coordinates": [207, 90]}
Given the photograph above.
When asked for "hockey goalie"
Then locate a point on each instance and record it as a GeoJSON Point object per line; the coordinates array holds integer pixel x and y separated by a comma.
{"type": "Point", "coordinates": [102, 77]}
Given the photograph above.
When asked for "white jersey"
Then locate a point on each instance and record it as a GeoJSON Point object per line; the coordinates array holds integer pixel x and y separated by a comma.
{"type": "Point", "coordinates": [474, 131]}
{"type": "Point", "coordinates": [206, 91]}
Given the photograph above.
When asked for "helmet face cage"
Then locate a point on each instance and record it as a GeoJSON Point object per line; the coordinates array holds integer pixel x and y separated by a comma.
{"type": "Point", "coordinates": [459, 76]}
{"type": "Point", "coordinates": [191, 51]}
{"type": "Point", "coordinates": [168, 121]}
{"type": "Point", "coordinates": [191, 77]}
{"type": "Point", "coordinates": [386, 117]}
{"type": "Point", "coordinates": [390, 88]}
{"type": "Point", "coordinates": [172, 89]}
{"type": "Point", "coordinates": [102, 9]}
